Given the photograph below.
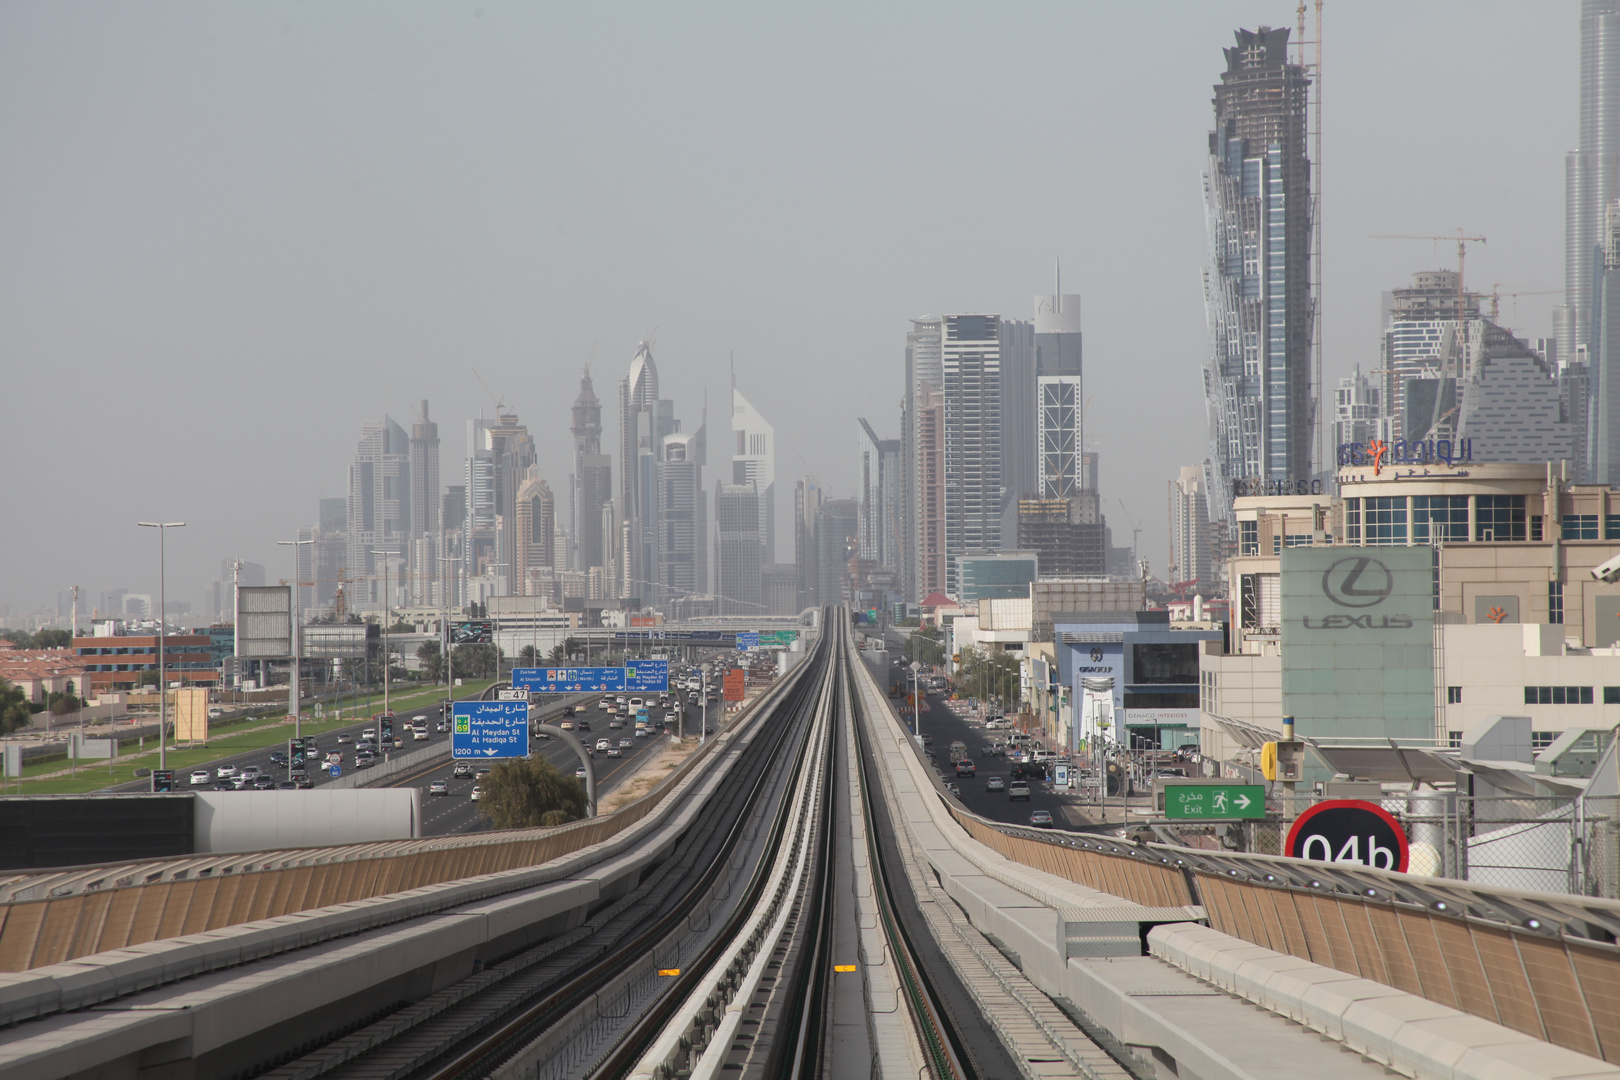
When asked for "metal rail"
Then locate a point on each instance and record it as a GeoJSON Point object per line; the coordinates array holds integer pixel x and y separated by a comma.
{"type": "Point", "coordinates": [516, 1001]}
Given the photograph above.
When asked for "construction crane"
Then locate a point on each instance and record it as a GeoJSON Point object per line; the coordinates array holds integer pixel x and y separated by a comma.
{"type": "Point", "coordinates": [1463, 240]}
{"type": "Point", "coordinates": [1496, 297]}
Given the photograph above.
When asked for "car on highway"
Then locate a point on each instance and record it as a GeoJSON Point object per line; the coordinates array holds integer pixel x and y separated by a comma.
{"type": "Point", "coordinates": [1041, 818]}
{"type": "Point", "coordinates": [481, 774]}
{"type": "Point", "coordinates": [225, 772]}
{"type": "Point", "coordinates": [442, 726]}
{"type": "Point", "coordinates": [263, 783]}
{"type": "Point", "coordinates": [286, 785]}
{"type": "Point", "coordinates": [475, 793]}
{"type": "Point", "coordinates": [250, 772]}
{"type": "Point", "coordinates": [463, 768]}
{"type": "Point", "coordinates": [641, 733]}
{"type": "Point", "coordinates": [614, 751]}
{"type": "Point", "coordinates": [615, 724]}
{"type": "Point", "coordinates": [345, 737]}
{"type": "Point", "coordinates": [1017, 790]}
{"type": "Point", "coordinates": [202, 776]}
{"type": "Point", "coordinates": [421, 735]}
{"type": "Point", "coordinates": [965, 767]}
{"type": "Point", "coordinates": [567, 725]}
{"type": "Point", "coordinates": [579, 773]}
{"type": "Point", "coordinates": [995, 783]}
{"type": "Point", "coordinates": [439, 787]}
{"type": "Point", "coordinates": [224, 785]}
{"type": "Point", "coordinates": [605, 703]}
{"type": "Point", "coordinates": [603, 744]}
{"type": "Point", "coordinates": [278, 758]}
{"type": "Point", "coordinates": [369, 733]}
{"type": "Point", "coordinates": [623, 743]}
{"type": "Point", "coordinates": [364, 761]}
{"type": "Point", "coordinates": [584, 724]}
{"type": "Point", "coordinates": [302, 781]}
{"type": "Point", "coordinates": [365, 746]}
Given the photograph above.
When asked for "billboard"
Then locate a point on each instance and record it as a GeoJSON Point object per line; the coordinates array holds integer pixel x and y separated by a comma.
{"type": "Point", "coordinates": [190, 714]}
{"type": "Point", "coordinates": [569, 680]}
{"type": "Point", "coordinates": [647, 675]}
{"type": "Point", "coordinates": [1358, 641]}
{"type": "Point", "coordinates": [490, 729]}
{"type": "Point", "coordinates": [264, 622]}
{"type": "Point", "coordinates": [472, 632]}
{"type": "Point", "coordinates": [735, 685]}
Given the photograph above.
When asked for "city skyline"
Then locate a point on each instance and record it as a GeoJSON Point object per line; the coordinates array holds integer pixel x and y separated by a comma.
{"type": "Point", "coordinates": [357, 340]}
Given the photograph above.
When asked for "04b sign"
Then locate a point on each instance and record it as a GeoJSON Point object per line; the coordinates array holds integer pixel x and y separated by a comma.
{"type": "Point", "coordinates": [1349, 831]}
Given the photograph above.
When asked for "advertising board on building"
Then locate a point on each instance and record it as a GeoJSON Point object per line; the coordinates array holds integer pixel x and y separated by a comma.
{"type": "Point", "coordinates": [190, 714]}
{"type": "Point", "coordinates": [1358, 641]}
{"type": "Point", "coordinates": [735, 685]}
{"type": "Point", "coordinates": [472, 632]}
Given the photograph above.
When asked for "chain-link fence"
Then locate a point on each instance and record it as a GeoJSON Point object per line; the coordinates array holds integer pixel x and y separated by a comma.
{"type": "Point", "coordinates": [1543, 844]}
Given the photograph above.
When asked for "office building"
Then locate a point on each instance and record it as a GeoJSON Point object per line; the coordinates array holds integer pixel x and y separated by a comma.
{"type": "Point", "coordinates": [478, 519]}
{"type": "Point", "coordinates": [379, 510]}
{"type": "Point", "coordinates": [513, 453]}
{"type": "Point", "coordinates": [807, 496]}
{"type": "Point", "coordinates": [738, 573]}
{"type": "Point", "coordinates": [682, 567]}
{"type": "Point", "coordinates": [1591, 174]}
{"type": "Point", "coordinates": [837, 543]}
{"type": "Point", "coordinates": [425, 508]}
{"type": "Point", "coordinates": [1421, 340]}
{"type": "Point", "coordinates": [1257, 286]}
{"type": "Point", "coordinates": [1059, 402]}
{"type": "Point", "coordinates": [1019, 424]}
{"type": "Point", "coordinates": [592, 483]}
{"type": "Point", "coordinates": [1603, 409]}
{"type": "Point", "coordinates": [922, 505]}
{"type": "Point", "coordinates": [878, 486]}
{"type": "Point", "coordinates": [534, 532]}
{"type": "Point", "coordinates": [779, 583]}
{"type": "Point", "coordinates": [1192, 562]}
{"type": "Point", "coordinates": [1067, 535]}
{"type": "Point", "coordinates": [753, 461]}
{"type": "Point", "coordinates": [644, 420]}
{"type": "Point", "coordinates": [971, 367]}
{"type": "Point", "coordinates": [1001, 575]}
{"type": "Point", "coordinates": [1357, 415]}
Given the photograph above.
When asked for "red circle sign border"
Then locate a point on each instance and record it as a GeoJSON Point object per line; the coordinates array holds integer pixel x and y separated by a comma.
{"type": "Point", "coordinates": [1351, 804]}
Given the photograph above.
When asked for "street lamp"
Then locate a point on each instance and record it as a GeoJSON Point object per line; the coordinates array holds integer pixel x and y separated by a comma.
{"type": "Point", "coordinates": [916, 704]}
{"type": "Point", "coordinates": [387, 659]}
{"type": "Point", "coordinates": [294, 706]}
{"type": "Point", "coordinates": [449, 665]}
{"type": "Point", "coordinates": [163, 528]}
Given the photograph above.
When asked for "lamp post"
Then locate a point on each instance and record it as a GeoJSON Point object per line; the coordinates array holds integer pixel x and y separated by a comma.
{"type": "Point", "coordinates": [916, 703]}
{"type": "Point", "coordinates": [387, 659]}
{"type": "Point", "coordinates": [295, 695]}
{"type": "Point", "coordinates": [449, 665]}
{"type": "Point", "coordinates": [163, 528]}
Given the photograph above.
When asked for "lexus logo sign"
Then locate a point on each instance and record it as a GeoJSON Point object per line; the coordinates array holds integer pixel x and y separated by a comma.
{"type": "Point", "coordinates": [1357, 582]}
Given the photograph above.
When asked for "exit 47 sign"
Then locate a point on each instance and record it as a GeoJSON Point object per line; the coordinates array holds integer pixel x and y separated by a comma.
{"type": "Point", "coordinates": [1214, 802]}
{"type": "Point", "coordinates": [489, 729]}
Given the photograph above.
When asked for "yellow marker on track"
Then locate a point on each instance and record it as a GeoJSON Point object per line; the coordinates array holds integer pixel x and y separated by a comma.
{"type": "Point", "coordinates": [669, 971]}
{"type": "Point", "coordinates": [843, 967]}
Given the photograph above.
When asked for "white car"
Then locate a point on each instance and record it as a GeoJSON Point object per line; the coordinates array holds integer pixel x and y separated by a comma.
{"type": "Point", "coordinates": [250, 772]}
{"type": "Point", "coordinates": [421, 735]}
{"type": "Point", "coordinates": [369, 733]}
{"type": "Point", "coordinates": [225, 772]}
{"type": "Point", "coordinates": [636, 703]}
{"type": "Point", "coordinates": [476, 792]}
{"type": "Point", "coordinates": [603, 744]}
{"type": "Point", "coordinates": [201, 776]}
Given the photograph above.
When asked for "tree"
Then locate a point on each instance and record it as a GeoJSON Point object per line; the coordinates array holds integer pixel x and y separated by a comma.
{"type": "Point", "coordinates": [53, 639]}
{"type": "Point", "coordinates": [528, 657]}
{"type": "Point", "coordinates": [476, 661]}
{"type": "Point", "coordinates": [432, 660]}
{"type": "Point", "coordinates": [559, 654]}
{"type": "Point", "coordinates": [525, 792]}
{"type": "Point", "coordinates": [14, 710]}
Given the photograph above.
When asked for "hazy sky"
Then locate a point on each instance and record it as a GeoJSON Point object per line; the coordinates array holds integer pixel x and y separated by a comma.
{"type": "Point", "coordinates": [231, 233]}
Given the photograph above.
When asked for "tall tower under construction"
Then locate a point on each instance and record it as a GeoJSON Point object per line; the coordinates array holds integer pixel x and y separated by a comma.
{"type": "Point", "coordinates": [1257, 285]}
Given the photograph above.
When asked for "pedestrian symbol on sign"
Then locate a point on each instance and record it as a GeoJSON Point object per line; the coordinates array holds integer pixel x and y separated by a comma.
{"type": "Point", "coordinates": [1220, 800]}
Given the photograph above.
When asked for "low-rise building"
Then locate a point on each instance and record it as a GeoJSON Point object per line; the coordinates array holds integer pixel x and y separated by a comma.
{"type": "Point", "coordinates": [39, 673]}
{"type": "Point", "coordinates": [118, 662]}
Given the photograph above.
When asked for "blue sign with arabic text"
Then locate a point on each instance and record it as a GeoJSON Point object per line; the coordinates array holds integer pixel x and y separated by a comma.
{"type": "Point", "coordinates": [490, 729]}
{"type": "Point", "coordinates": [747, 641]}
{"type": "Point", "coordinates": [573, 680]}
{"type": "Point", "coordinates": [647, 675]}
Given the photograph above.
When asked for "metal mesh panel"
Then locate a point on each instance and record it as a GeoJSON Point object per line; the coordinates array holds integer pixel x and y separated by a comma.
{"type": "Point", "coordinates": [1557, 996]}
{"type": "Point", "coordinates": [1515, 1006]}
{"type": "Point", "coordinates": [1428, 959]}
{"type": "Point", "coordinates": [1599, 977]}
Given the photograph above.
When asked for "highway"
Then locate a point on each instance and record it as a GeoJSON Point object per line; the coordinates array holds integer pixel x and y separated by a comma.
{"type": "Point", "coordinates": [456, 812]}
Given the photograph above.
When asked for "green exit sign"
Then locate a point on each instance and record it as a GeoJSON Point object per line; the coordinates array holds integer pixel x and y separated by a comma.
{"type": "Point", "coordinates": [1214, 802]}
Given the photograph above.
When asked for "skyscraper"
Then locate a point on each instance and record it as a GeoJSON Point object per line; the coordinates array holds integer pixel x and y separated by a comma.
{"type": "Point", "coordinates": [923, 377]}
{"type": "Point", "coordinates": [754, 461]}
{"type": "Point", "coordinates": [971, 363]}
{"type": "Point", "coordinates": [877, 495]}
{"type": "Point", "coordinates": [1191, 553]}
{"type": "Point", "coordinates": [738, 546]}
{"type": "Point", "coordinates": [837, 536]}
{"type": "Point", "coordinates": [425, 528]}
{"type": "Point", "coordinates": [644, 420]}
{"type": "Point", "coordinates": [1420, 340]}
{"type": "Point", "coordinates": [1357, 415]}
{"type": "Point", "coordinates": [1059, 397]}
{"type": "Point", "coordinates": [513, 452]}
{"type": "Point", "coordinates": [681, 526]}
{"type": "Point", "coordinates": [592, 482]}
{"type": "Point", "coordinates": [1257, 286]}
{"type": "Point", "coordinates": [379, 507]}
{"type": "Point", "coordinates": [928, 502]}
{"type": "Point", "coordinates": [533, 533]}
{"type": "Point", "coordinates": [806, 507]}
{"type": "Point", "coordinates": [1591, 173]}
{"type": "Point", "coordinates": [1019, 422]}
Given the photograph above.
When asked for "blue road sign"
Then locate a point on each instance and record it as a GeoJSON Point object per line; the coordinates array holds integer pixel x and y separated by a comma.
{"type": "Point", "coordinates": [747, 641]}
{"type": "Point", "coordinates": [490, 729]}
{"type": "Point", "coordinates": [647, 675]}
{"type": "Point", "coordinates": [336, 770]}
{"type": "Point", "coordinates": [573, 680]}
